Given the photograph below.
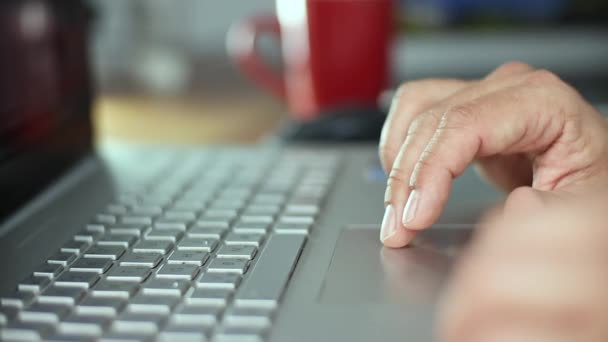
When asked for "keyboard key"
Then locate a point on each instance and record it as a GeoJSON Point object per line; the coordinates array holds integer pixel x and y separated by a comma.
{"type": "Point", "coordinates": [48, 270]}
{"type": "Point", "coordinates": [268, 209]}
{"type": "Point", "coordinates": [179, 216]}
{"type": "Point", "coordinates": [33, 283]}
{"type": "Point", "coordinates": [237, 251]}
{"type": "Point", "coordinates": [26, 331]}
{"type": "Point", "coordinates": [156, 246]}
{"type": "Point", "coordinates": [165, 287]}
{"type": "Point", "coordinates": [297, 219]}
{"type": "Point", "coordinates": [228, 281]}
{"type": "Point", "coordinates": [61, 337]}
{"type": "Point", "coordinates": [230, 204]}
{"type": "Point", "coordinates": [301, 209]}
{"type": "Point", "coordinates": [116, 209]}
{"type": "Point", "coordinates": [44, 312]}
{"type": "Point", "coordinates": [17, 299]}
{"type": "Point", "coordinates": [153, 304]}
{"type": "Point", "coordinates": [74, 246]}
{"type": "Point", "coordinates": [224, 214]}
{"type": "Point", "coordinates": [77, 279]}
{"type": "Point", "coordinates": [123, 240]}
{"type": "Point", "coordinates": [84, 325]}
{"type": "Point", "coordinates": [201, 244]}
{"type": "Point", "coordinates": [146, 210]}
{"type": "Point", "coordinates": [123, 229]}
{"type": "Point", "coordinates": [248, 317]}
{"type": "Point", "coordinates": [141, 259]}
{"type": "Point", "coordinates": [271, 272]}
{"type": "Point", "coordinates": [107, 252]}
{"type": "Point", "coordinates": [223, 265]}
{"type": "Point", "coordinates": [209, 297]}
{"type": "Point", "coordinates": [256, 219]}
{"type": "Point", "coordinates": [104, 219]}
{"type": "Point", "coordinates": [136, 220]}
{"type": "Point", "coordinates": [163, 224]}
{"type": "Point", "coordinates": [195, 206]}
{"type": "Point", "coordinates": [244, 239]}
{"type": "Point", "coordinates": [177, 271]}
{"type": "Point", "coordinates": [211, 233]}
{"type": "Point", "coordinates": [61, 295]}
{"type": "Point", "coordinates": [268, 199]}
{"type": "Point", "coordinates": [164, 234]}
{"type": "Point", "coordinates": [233, 191]}
{"type": "Point", "coordinates": [133, 336]}
{"type": "Point", "coordinates": [161, 200]}
{"type": "Point", "coordinates": [196, 315]}
{"type": "Point", "coordinates": [255, 227]}
{"type": "Point", "coordinates": [193, 257]}
{"type": "Point", "coordinates": [128, 273]}
{"type": "Point", "coordinates": [213, 223]}
{"type": "Point", "coordinates": [96, 265]}
{"type": "Point", "coordinates": [87, 235]}
{"type": "Point", "coordinates": [190, 333]}
{"type": "Point", "coordinates": [138, 324]}
{"type": "Point", "coordinates": [240, 334]}
{"type": "Point", "coordinates": [293, 228]}
{"type": "Point", "coordinates": [115, 289]}
{"type": "Point", "coordinates": [62, 258]}
{"type": "Point", "coordinates": [95, 227]}
{"type": "Point", "coordinates": [100, 306]}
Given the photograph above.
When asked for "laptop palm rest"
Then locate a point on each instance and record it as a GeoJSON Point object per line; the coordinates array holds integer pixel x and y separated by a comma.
{"type": "Point", "coordinates": [362, 271]}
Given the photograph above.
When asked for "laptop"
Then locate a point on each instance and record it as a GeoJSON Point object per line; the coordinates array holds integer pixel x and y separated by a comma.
{"type": "Point", "coordinates": [269, 242]}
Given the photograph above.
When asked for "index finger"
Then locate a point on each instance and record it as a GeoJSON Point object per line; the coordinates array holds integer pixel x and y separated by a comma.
{"type": "Point", "coordinates": [411, 99]}
{"type": "Point", "coordinates": [491, 125]}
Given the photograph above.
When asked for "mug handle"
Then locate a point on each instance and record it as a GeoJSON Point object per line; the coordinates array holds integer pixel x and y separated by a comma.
{"type": "Point", "coordinates": [241, 45]}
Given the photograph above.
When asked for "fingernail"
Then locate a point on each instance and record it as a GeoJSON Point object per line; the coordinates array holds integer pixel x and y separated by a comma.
{"type": "Point", "coordinates": [389, 223]}
{"type": "Point", "coordinates": [409, 212]}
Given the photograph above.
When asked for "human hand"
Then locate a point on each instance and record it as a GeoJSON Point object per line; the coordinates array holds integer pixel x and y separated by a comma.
{"type": "Point", "coordinates": [524, 127]}
{"type": "Point", "coordinates": [536, 272]}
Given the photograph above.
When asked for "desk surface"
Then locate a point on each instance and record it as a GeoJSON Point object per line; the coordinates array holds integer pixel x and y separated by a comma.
{"type": "Point", "coordinates": [243, 119]}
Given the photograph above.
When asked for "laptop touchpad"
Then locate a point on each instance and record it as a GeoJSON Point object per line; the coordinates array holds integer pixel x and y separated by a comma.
{"type": "Point", "coordinates": [363, 271]}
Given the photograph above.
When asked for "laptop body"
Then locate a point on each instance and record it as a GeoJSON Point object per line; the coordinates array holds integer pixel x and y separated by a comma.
{"type": "Point", "coordinates": [126, 242]}
{"type": "Point", "coordinates": [344, 287]}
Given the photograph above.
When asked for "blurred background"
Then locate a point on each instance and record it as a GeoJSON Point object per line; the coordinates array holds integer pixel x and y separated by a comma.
{"type": "Point", "coordinates": [163, 74]}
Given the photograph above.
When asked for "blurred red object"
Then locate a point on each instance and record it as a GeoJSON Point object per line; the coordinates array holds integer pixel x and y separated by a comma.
{"type": "Point", "coordinates": [335, 53]}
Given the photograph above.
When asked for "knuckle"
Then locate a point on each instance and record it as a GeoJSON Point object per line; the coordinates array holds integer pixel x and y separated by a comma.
{"type": "Point", "coordinates": [406, 88]}
{"type": "Point", "coordinates": [428, 120]}
{"type": "Point", "coordinates": [415, 87]}
{"type": "Point", "coordinates": [397, 177]}
{"type": "Point", "coordinates": [542, 77]}
{"type": "Point", "coordinates": [460, 115]}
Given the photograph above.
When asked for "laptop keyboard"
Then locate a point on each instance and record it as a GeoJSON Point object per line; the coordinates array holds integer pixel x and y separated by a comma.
{"type": "Point", "coordinates": [200, 250]}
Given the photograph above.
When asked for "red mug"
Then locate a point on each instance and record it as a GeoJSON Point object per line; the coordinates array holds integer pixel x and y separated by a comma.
{"type": "Point", "coordinates": [335, 53]}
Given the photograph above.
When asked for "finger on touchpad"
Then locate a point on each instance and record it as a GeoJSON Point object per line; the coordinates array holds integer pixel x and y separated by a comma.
{"type": "Point", "coordinates": [363, 271]}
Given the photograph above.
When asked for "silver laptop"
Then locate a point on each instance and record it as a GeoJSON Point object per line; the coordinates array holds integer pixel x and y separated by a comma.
{"type": "Point", "coordinates": [268, 242]}
{"type": "Point", "coordinates": [271, 242]}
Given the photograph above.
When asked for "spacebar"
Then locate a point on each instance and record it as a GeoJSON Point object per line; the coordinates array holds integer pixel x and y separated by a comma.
{"type": "Point", "coordinates": [267, 280]}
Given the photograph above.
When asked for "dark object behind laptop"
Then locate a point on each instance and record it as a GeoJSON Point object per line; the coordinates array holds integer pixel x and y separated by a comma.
{"type": "Point", "coordinates": [45, 94]}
